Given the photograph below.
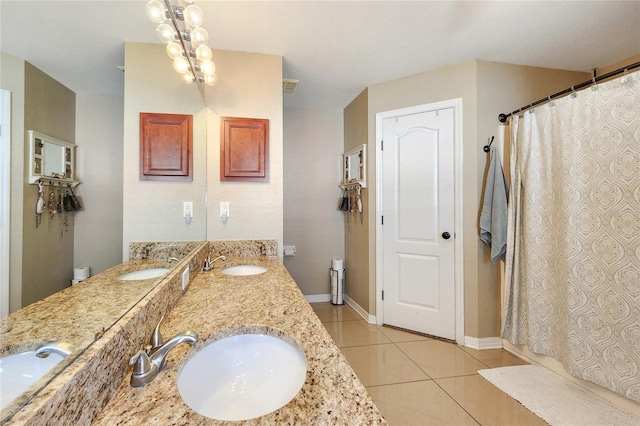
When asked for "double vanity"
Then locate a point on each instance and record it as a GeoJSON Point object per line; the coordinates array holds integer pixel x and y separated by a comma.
{"type": "Point", "coordinates": [261, 354]}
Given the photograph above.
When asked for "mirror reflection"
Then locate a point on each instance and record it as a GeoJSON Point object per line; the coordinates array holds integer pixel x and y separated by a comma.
{"type": "Point", "coordinates": [64, 324]}
{"type": "Point", "coordinates": [41, 256]}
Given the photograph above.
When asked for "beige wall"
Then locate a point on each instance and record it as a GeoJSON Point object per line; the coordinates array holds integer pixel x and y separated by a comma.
{"type": "Point", "coordinates": [486, 89]}
{"type": "Point", "coordinates": [452, 82]}
{"type": "Point", "coordinates": [152, 210]}
{"type": "Point", "coordinates": [618, 65]}
{"type": "Point", "coordinates": [47, 251]}
{"type": "Point", "coordinates": [313, 145]}
{"type": "Point", "coordinates": [356, 234]}
{"type": "Point", "coordinates": [99, 132]}
{"type": "Point", "coordinates": [502, 88]}
{"type": "Point", "coordinates": [249, 85]}
{"type": "Point", "coordinates": [12, 79]}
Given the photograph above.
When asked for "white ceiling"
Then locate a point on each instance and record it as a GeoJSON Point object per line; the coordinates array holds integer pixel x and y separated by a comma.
{"type": "Point", "coordinates": [335, 48]}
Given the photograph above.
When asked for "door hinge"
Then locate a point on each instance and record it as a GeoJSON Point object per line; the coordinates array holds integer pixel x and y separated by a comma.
{"type": "Point", "coordinates": [382, 294]}
{"type": "Point", "coordinates": [381, 145]}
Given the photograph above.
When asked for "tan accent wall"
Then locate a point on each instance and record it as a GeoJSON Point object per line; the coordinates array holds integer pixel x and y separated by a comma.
{"type": "Point", "coordinates": [501, 88]}
{"type": "Point", "coordinates": [313, 147]}
{"type": "Point", "coordinates": [618, 65]}
{"type": "Point", "coordinates": [357, 235]}
{"type": "Point", "coordinates": [458, 81]}
{"type": "Point", "coordinates": [47, 251]}
{"type": "Point", "coordinates": [486, 89]}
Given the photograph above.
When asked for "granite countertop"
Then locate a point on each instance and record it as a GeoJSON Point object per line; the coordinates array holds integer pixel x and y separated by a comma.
{"type": "Point", "coordinates": [215, 306]}
{"type": "Point", "coordinates": [75, 315]}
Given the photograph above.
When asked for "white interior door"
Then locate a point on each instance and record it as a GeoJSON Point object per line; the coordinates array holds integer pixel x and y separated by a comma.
{"type": "Point", "coordinates": [418, 222]}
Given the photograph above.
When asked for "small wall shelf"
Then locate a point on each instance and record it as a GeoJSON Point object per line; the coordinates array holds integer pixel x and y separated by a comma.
{"type": "Point", "coordinates": [354, 167]}
{"type": "Point", "coordinates": [50, 181]}
{"type": "Point", "coordinates": [51, 160]}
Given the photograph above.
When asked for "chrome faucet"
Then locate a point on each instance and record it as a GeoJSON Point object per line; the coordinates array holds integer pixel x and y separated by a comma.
{"type": "Point", "coordinates": [210, 264]}
{"type": "Point", "coordinates": [61, 348]}
{"type": "Point", "coordinates": [148, 362]}
{"type": "Point", "coordinates": [173, 259]}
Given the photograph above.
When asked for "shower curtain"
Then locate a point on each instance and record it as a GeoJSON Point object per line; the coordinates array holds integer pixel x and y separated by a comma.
{"type": "Point", "coordinates": [573, 253]}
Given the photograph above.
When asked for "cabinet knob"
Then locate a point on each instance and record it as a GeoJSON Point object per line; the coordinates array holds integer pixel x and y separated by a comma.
{"type": "Point", "coordinates": [446, 235]}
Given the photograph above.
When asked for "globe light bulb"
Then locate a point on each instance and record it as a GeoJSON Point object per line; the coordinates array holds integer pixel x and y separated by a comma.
{"type": "Point", "coordinates": [181, 65]}
{"type": "Point", "coordinates": [199, 36]}
{"type": "Point", "coordinates": [203, 53]}
{"type": "Point", "coordinates": [211, 80]}
{"type": "Point", "coordinates": [174, 50]}
{"type": "Point", "coordinates": [156, 11]}
{"type": "Point", "coordinates": [187, 78]}
{"type": "Point", "coordinates": [193, 15]}
{"type": "Point", "coordinates": [208, 68]}
{"type": "Point", "coordinates": [166, 33]}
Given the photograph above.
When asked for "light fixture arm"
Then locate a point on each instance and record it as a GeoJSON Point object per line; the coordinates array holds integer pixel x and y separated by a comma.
{"type": "Point", "coordinates": [175, 14]}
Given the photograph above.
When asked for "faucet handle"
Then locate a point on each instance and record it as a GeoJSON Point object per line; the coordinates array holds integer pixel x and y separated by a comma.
{"type": "Point", "coordinates": [140, 361]}
{"type": "Point", "coordinates": [156, 337]}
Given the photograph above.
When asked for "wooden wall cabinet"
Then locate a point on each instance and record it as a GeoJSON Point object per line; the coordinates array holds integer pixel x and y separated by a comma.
{"type": "Point", "coordinates": [244, 149]}
{"type": "Point", "coordinates": [166, 147]}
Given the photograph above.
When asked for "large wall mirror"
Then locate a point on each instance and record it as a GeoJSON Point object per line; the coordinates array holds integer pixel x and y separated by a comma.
{"type": "Point", "coordinates": [53, 157]}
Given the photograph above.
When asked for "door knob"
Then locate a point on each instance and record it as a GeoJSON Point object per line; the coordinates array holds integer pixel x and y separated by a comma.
{"type": "Point", "coordinates": [446, 235]}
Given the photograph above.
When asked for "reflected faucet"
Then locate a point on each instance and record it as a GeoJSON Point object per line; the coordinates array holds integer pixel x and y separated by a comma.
{"type": "Point", "coordinates": [210, 264]}
{"type": "Point", "coordinates": [61, 348]}
{"type": "Point", "coordinates": [148, 362]}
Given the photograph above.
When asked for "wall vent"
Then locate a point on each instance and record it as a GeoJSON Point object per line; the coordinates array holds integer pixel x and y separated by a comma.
{"type": "Point", "coordinates": [289, 85]}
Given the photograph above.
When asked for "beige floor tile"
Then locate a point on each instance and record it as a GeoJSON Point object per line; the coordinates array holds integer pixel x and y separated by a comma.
{"type": "Point", "coordinates": [382, 365]}
{"type": "Point", "coordinates": [355, 333]}
{"type": "Point", "coordinates": [418, 403]}
{"type": "Point", "coordinates": [494, 358]}
{"type": "Point", "coordinates": [396, 335]}
{"type": "Point", "coordinates": [441, 359]}
{"type": "Point", "coordinates": [486, 403]}
{"type": "Point", "coordinates": [331, 313]}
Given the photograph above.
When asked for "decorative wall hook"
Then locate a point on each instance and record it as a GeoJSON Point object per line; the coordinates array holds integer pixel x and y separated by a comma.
{"type": "Point", "coordinates": [487, 148]}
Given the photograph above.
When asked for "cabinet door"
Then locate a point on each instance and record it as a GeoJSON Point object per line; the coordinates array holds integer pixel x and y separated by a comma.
{"type": "Point", "coordinates": [166, 147]}
{"type": "Point", "coordinates": [244, 149]}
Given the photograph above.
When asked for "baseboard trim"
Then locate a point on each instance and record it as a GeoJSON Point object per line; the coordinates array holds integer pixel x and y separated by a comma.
{"type": "Point", "coordinates": [371, 319]}
{"type": "Point", "coordinates": [483, 343]}
{"type": "Point", "coordinates": [317, 298]}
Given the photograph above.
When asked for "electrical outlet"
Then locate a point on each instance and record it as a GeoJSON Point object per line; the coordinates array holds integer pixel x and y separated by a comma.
{"type": "Point", "coordinates": [224, 208]}
{"type": "Point", "coordinates": [185, 279]}
{"type": "Point", "coordinates": [187, 209]}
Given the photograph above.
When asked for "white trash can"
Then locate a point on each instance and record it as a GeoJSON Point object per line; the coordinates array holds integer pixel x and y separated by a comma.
{"type": "Point", "coordinates": [336, 273]}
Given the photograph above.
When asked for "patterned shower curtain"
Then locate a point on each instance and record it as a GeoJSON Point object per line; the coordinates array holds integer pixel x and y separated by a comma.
{"type": "Point", "coordinates": [573, 253]}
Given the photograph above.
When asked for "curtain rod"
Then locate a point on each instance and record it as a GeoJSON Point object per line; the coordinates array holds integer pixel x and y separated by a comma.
{"type": "Point", "coordinates": [503, 117]}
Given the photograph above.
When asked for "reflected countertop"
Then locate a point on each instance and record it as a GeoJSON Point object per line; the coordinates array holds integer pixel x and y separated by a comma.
{"type": "Point", "coordinates": [217, 305]}
{"type": "Point", "coordinates": [75, 315]}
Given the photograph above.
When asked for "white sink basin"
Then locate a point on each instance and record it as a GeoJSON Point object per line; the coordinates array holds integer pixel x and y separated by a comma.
{"type": "Point", "coordinates": [20, 371]}
{"type": "Point", "coordinates": [242, 270]}
{"type": "Point", "coordinates": [144, 274]}
{"type": "Point", "coordinates": [242, 377]}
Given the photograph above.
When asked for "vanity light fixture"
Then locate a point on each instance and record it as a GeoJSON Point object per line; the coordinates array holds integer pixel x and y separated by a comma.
{"type": "Point", "coordinates": [180, 27]}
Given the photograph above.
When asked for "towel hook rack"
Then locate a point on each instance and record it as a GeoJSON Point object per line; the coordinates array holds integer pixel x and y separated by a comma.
{"type": "Point", "coordinates": [487, 148]}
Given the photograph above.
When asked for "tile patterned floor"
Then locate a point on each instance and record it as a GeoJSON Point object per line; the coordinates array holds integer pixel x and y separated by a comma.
{"type": "Point", "coordinates": [416, 380]}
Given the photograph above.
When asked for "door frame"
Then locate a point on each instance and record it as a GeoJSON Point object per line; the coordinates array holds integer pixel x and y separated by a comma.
{"type": "Point", "coordinates": [456, 104]}
{"type": "Point", "coordinates": [5, 198]}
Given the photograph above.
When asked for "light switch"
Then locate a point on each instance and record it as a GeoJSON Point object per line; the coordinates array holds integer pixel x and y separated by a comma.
{"type": "Point", "coordinates": [187, 209]}
{"type": "Point", "coordinates": [224, 209]}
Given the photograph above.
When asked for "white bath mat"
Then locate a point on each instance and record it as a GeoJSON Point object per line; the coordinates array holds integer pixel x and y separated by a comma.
{"type": "Point", "coordinates": [555, 399]}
